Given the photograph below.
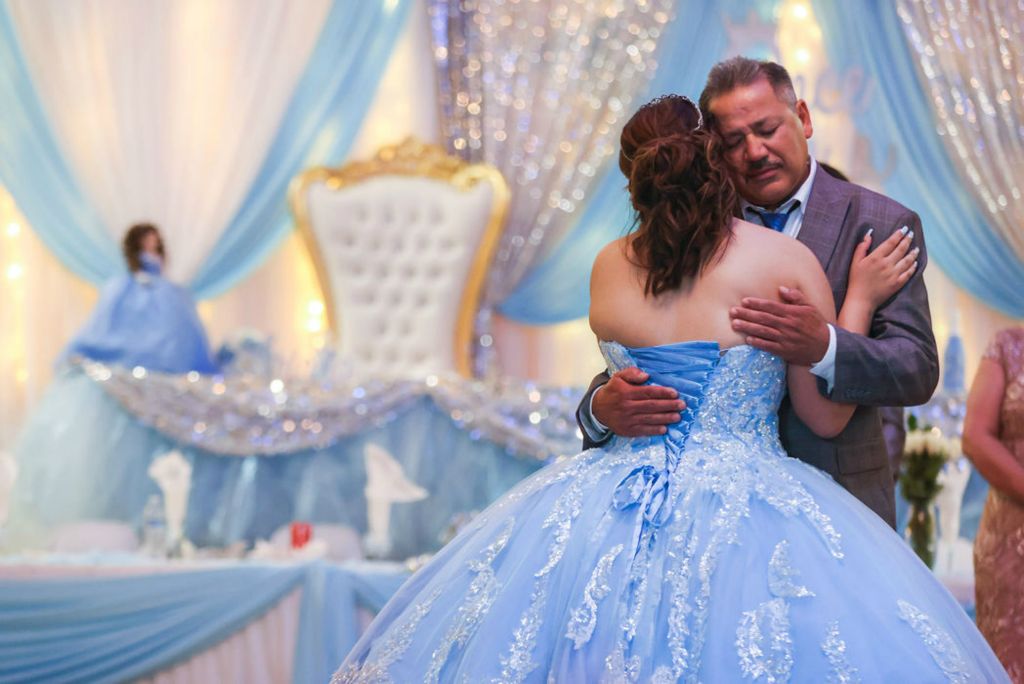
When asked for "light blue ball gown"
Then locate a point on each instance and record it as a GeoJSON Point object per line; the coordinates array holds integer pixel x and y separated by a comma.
{"type": "Point", "coordinates": [142, 319]}
{"type": "Point", "coordinates": [706, 555]}
{"type": "Point", "coordinates": [80, 455]}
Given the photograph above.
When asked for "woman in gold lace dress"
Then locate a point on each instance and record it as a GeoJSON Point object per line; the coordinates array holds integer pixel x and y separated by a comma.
{"type": "Point", "coordinates": [994, 441]}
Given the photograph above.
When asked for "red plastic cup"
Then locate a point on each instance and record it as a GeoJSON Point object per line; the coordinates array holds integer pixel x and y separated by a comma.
{"type": "Point", "coordinates": [301, 534]}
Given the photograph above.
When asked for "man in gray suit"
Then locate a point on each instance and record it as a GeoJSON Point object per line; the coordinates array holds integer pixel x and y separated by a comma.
{"type": "Point", "coordinates": [894, 431]}
{"type": "Point", "coordinates": [764, 130]}
{"type": "Point", "coordinates": [894, 425]}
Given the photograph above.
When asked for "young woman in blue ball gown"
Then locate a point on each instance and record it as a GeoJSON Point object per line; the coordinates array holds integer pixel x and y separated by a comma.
{"type": "Point", "coordinates": [705, 554]}
{"type": "Point", "coordinates": [143, 319]}
{"type": "Point", "coordinates": [80, 454]}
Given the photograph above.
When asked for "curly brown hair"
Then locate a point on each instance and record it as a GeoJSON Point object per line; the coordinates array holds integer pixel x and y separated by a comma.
{"type": "Point", "coordinates": [680, 189]}
{"type": "Point", "coordinates": [131, 245]}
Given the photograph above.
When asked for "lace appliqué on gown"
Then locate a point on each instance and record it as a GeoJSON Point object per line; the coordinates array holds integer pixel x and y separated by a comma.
{"type": "Point", "coordinates": [763, 641]}
{"type": "Point", "coordinates": [392, 647]}
{"type": "Point", "coordinates": [628, 563]}
{"type": "Point", "coordinates": [834, 649]}
{"type": "Point", "coordinates": [947, 656]}
{"type": "Point", "coordinates": [479, 599]}
{"type": "Point", "coordinates": [584, 618]}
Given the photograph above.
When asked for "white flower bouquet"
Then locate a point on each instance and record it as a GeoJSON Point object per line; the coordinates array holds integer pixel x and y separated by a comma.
{"type": "Point", "coordinates": [925, 452]}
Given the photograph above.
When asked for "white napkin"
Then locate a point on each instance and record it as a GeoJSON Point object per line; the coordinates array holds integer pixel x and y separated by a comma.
{"type": "Point", "coordinates": [173, 474]}
{"type": "Point", "coordinates": [386, 484]}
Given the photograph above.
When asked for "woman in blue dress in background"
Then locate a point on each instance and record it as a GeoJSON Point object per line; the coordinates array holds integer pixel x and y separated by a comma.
{"type": "Point", "coordinates": [80, 455]}
{"type": "Point", "coordinates": [143, 319]}
{"type": "Point", "coordinates": [705, 554]}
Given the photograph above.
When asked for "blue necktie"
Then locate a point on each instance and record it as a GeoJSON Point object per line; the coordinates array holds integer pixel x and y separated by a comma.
{"type": "Point", "coordinates": [776, 221]}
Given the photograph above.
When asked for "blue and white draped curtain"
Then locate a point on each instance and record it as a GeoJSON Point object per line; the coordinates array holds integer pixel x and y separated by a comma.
{"type": "Point", "coordinates": [198, 120]}
{"type": "Point", "coordinates": [192, 115]}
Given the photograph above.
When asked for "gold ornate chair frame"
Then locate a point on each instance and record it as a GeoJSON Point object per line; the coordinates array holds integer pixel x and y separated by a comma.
{"type": "Point", "coordinates": [422, 160]}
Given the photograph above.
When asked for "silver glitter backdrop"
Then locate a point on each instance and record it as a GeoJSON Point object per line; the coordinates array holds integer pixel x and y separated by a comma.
{"type": "Point", "coordinates": [248, 414]}
{"type": "Point", "coordinates": [971, 55]}
{"type": "Point", "coordinates": [540, 89]}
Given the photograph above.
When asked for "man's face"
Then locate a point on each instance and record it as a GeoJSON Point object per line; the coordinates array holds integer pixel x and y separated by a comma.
{"type": "Point", "coordinates": [765, 142]}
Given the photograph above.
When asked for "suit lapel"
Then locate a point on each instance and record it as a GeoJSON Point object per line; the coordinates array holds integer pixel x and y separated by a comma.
{"type": "Point", "coordinates": [824, 217]}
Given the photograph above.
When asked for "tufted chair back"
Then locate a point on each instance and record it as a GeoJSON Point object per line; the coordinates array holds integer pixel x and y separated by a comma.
{"type": "Point", "coordinates": [401, 245]}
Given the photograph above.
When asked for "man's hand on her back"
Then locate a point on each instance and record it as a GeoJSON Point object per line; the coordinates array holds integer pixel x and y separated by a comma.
{"type": "Point", "coordinates": [629, 408]}
{"type": "Point", "coordinates": [792, 329]}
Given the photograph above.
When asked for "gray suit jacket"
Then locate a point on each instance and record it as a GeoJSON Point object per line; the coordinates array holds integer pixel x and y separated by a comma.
{"type": "Point", "coordinates": [894, 430]}
{"type": "Point", "coordinates": [896, 365]}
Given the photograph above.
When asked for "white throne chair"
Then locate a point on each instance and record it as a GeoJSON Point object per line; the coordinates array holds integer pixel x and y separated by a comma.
{"type": "Point", "coordinates": [401, 244]}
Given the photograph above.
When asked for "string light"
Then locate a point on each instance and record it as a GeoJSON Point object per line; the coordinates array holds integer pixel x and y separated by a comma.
{"type": "Point", "coordinates": [13, 346]}
{"type": "Point", "coordinates": [798, 37]}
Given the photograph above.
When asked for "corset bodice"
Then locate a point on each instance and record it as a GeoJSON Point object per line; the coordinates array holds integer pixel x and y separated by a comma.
{"type": "Point", "coordinates": [730, 394]}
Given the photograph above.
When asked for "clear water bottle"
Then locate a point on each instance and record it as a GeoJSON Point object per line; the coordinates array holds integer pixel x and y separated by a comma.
{"type": "Point", "coordinates": [154, 528]}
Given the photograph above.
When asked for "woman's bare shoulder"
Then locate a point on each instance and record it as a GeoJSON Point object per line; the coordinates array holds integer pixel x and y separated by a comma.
{"type": "Point", "coordinates": [759, 240]}
{"type": "Point", "coordinates": [617, 249]}
{"type": "Point", "coordinates": [614, 259]}
{"type": "Point", "coordinates": [765, 260]}
{"type": "Point", "coordinates": [757, 235]}
{"type": "Point", "coordinates": [608, 286]}
{"type": "Point", "coordinates": [771, 248]}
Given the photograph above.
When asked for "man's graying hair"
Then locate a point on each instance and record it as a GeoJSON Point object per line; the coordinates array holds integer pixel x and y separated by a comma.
{"type": "Point", "coordinates": [735, 72]}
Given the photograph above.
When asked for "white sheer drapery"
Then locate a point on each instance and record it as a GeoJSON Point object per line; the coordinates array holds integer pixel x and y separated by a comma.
{"type": "Point", "coordinates": [42, 304]}
{"type": "Point", "coordinates": [165, 110]}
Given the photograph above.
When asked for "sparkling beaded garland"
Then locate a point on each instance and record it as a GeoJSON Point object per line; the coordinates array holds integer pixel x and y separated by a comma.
{"type": "Point", "coordinates": [540, 90]}
{"type": "Point", "coordinates": [971, 56]}
{"type": "Point", "coordinates": [255, 414]}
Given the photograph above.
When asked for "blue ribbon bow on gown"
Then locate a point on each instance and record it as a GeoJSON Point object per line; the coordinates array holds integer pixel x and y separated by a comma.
{"type": "Point", "coordinates": [647, 486]}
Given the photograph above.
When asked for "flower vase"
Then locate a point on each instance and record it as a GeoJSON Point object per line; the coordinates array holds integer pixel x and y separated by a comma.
{"type": "Point", "coordinates": [921, 532]}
